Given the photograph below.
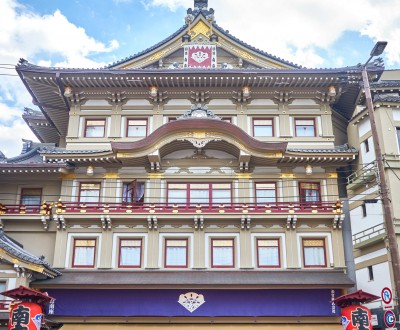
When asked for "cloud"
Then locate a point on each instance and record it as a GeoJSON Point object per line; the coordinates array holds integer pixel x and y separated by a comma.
{"type": "Point", "coordinates": [297, 30]}
{"type": "Point", "coordinates": [50, 40]}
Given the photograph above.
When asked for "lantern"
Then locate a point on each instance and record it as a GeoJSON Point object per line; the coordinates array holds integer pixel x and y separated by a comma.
{"type": "Point", "coordinates": [25, 315]}
{"type": "Point", "coordinates": [356, 317]}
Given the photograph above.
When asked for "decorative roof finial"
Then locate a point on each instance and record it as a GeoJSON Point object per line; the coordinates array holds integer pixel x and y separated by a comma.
{"type": "Point", "coordinates": [200, 4]}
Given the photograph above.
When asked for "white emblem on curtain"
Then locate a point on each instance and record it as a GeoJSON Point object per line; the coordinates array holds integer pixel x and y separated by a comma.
{"type": "Point", "coordinates": [191, 301]}
{"type": "Point", "coordinates": [200, 56]}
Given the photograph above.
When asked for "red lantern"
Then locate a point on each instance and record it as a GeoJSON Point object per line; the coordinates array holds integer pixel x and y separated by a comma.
{"type": "Point", "coordinates": [356, 317]}
{"type": "Point", "coordinates": [25, 316]}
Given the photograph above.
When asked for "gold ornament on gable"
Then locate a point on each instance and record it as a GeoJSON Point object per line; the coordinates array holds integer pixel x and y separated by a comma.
{"type": "Point", "coordinates": [200, 28]}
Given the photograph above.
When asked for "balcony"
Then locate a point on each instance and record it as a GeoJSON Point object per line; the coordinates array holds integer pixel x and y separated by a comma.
{"type": "Point", "coordinates": [362, 177]}
{"type": "Point", "coordinates": [369, 236]}
{"type": "Point", "coordinates": [163, 208]}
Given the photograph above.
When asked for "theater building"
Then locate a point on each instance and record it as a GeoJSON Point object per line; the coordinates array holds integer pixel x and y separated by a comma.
{"type": "Point", "coordinates": [196, 183]}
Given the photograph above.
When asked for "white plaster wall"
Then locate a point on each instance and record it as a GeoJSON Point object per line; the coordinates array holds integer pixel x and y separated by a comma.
{"type": "Point", "coordinates": [374, 217]}
{"type": "Point", "coordinates": [368, 157]}
{"type": "Point", "coordinates": [364, 127]}
{"type": "Point", "coordinates": [381, 280]}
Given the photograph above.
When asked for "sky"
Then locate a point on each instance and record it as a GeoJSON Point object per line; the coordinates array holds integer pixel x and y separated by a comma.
{"type": "Point", "coordinates": [94, 33]}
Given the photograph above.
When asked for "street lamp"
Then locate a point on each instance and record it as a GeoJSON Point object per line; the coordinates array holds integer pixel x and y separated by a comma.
{"type": "Point", "coordinates": [387, 208]}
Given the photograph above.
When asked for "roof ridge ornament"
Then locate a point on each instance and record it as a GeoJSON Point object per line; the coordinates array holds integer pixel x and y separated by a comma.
{"type": "Point", "coordinates": [199, 111]}
{"type": "Point", "coordinates": [201, 6]}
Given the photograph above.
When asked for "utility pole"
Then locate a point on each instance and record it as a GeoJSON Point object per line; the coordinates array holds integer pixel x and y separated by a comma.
{"type": "Point", "coordinates": [383, 186]}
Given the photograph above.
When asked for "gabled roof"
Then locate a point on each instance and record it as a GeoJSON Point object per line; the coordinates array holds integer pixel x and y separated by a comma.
{"type": "Point", "coordinates": [40, 125]}
{"type": "Point", "coordinates": [10, 248]}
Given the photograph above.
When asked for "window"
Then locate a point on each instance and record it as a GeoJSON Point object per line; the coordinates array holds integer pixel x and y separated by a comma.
{"type": "Point", "coordinates": [227, 119]}
{"type": "Point", "coordinates": [314, 252]}
{"type": "Point", "coordinates": [130, 253]}
{"type": "Point", "coordinates": [366, 145]}
{"type": "Point", "coordinates": [265, 193]}
{"type": "Point", "coordinates": [222, 253]}
{"type": "Point", "coordinates": [370, 273]}
{"type": "Point", "coordinates": [309, 192]}
{"type": "Point", "coordinates": [199, 193]}
{"type": "Point", "coordinates": [133, 192]}
{"type": "Point", "coordinates": [398, 136]}
{"type": "Point", "coordinates": [268, 253]}
{"type": "Point", "coordinates": [263, 127]}
{"type": "Point", "coordinates": [95, 128]}
{"type": "Point", "coordinates": [89, 193]}
{"type": "Point", "coordinates": [31, 196]}
{"type": "Point", "coordinates": [136, 128]}
{"type": "Point", "coordinates": [304, 127]}
{"type": "Point", "coordinates": [364, 210]}
{"type": "Point", "coordinates": [176, 253]}
{"type": "Point", "coordinates": [84, 253]}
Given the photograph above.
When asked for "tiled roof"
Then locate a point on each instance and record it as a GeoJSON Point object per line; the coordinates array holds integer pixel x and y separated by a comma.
{"type": "Point", "coordinates": [337, 149]}
{"type": "Point", "coordinates": [16, 250]}
{"type": "Point", "coordinates": [386, 98]}
{"type": "Point", "coordinates": [386, 83]}
{"type": "Point", "coordinates": [59, 151]}
{"type": "Point", "coordinates": [201, 278]}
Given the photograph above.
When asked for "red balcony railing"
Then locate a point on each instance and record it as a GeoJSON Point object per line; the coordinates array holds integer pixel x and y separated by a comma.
{"type": "Point", "coordinates": [78, 207]}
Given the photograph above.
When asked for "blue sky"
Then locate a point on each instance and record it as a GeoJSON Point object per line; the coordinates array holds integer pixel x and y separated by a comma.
{"type": "Point", "coordinates": [93, 33]}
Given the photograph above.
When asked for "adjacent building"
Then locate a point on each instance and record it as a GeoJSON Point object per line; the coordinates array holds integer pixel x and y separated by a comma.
{"type": "Point", "coordinates": [195, 183]}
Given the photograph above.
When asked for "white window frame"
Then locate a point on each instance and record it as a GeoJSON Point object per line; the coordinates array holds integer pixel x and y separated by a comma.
{"type": "Point", "coordinates": [70, 244]}
{"type": "Point", "coordinates": [190, 249]}
{"type": "Point", "coordinates": [328, 247]}
{"type": "Point", "coordinates": [236, 246]}
{"type": "Point", "coordinates": [280, 236]}
{"type": "Point", "coordinates": [115, 248]}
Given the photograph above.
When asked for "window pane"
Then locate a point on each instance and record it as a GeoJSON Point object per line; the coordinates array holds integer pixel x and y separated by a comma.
{"type": "Point", "coordinates": [31, 196]}
{"type": "Point", "coordinates": [95, 128]}
{"type": "Point", "coordinates": [221, 196]}
{"type": "Point", "coordinates": [398, 136]}
{"type": "Point", "coordinates": [199, 197]}
{"type": "Point", "coordinates": [90, 193]}
{"type": "Point", "coordinates": [265, 192]}
{"type": "Point", "coordinates": [309, 192]}
{"type": "Point", "coordinates": [268, 256]}
{"type": "Point", "coordinates": [263, 131]}
{"type": "Point", "coordinates": [222, 256]}
{"type": "Point", "coordinates": [314, 256]}
{"type": "Point", "coordinates": [177, 196]}
{"type": "Point", "coordinates": [176, 253]}
{"type": "Point", "coordinates": [84, 251]}
{"type": "Point", "coordinates": [305, 127]}
{"type": "Point", "coordinates": [137, 128]}
{"type": "Point", "coordinates": [129, 256]}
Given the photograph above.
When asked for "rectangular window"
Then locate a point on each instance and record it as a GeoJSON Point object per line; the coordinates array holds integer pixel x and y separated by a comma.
{"type": "Point", "coordinates": [263, 127]}
{"type": "Point", "coordinates": [364, 210]}
{"type": "Point", "coordinates": [31, 196]}
{"type": "Point", "coordinates": [370, 273]}
{"type": "Point", "coordinates": [133, 192]}
{"type": "Point", "coordinates": [268, 255]}
{"type": "Point", "coordinates": [222, 253]}
{"type": "Point", "coordinates": [199, 193]}
{"type": "Point", "coordinates": [136, 128]}
{"type": "Point", "coordinates": [265, 193]}
{"type": "Point", "coordinates": [314, 252]}
{"type": "Point", "coordinates": [366, 145]}
{"type": "Point", "coordinates": [84, 253]}
{"type": "Point", "coordinates": [304, 127]}
{"type": "Point", "coordinates": [89, 193]}
{"type": "Point", "coordinates": [398, 137]}
{"type": "Point", "coordinates": [130, 253]}
{"type": "Point", "coordinates": [176, 253]}
{"type": "Point", "coordinates": [95, 127]}
{"type": "Point", "coordinates": [309, 192]}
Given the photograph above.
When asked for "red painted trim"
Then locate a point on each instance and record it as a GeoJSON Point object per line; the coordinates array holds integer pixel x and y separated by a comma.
{"type": "Point", "coordinates": [94, 254]}
{"type": "Point", "coordinates": [127, 127]}
{"type": "Point", "coordinates": [95, 119]}
{"type": "Point", "coordinates": [212, 252]}
{"type": "Point", "coordinates": [80, 190]}
{"type": "Point", "coordinates": [209, 125]}
{"type": "Point", "coordinates": [324, 247]}
{"type": "Point", "coordinates": [314, 125]}
{"type": "Point", "coordinates": [279, 252]}
{"type": "Point", "coordinates": [166, 249]}
{"type": "Point", "coordinates": [120, 248]}
{"type": "Point", "coordinates": [272, 125]}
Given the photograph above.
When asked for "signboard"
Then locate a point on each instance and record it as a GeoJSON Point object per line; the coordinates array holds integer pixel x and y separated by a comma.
{"type": "Point", "coordinates": [387, 296]}
{"type": "Point", "coordinates": [25, 315]}
{"type": "Point", "coordinates": [200, 56]}
{"type": "Point", "coordinates": [390, 319]}
{"type": "Point", "coordinates": [356, 317]}
{"type": "Point", "coordinates": [374, 320]}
